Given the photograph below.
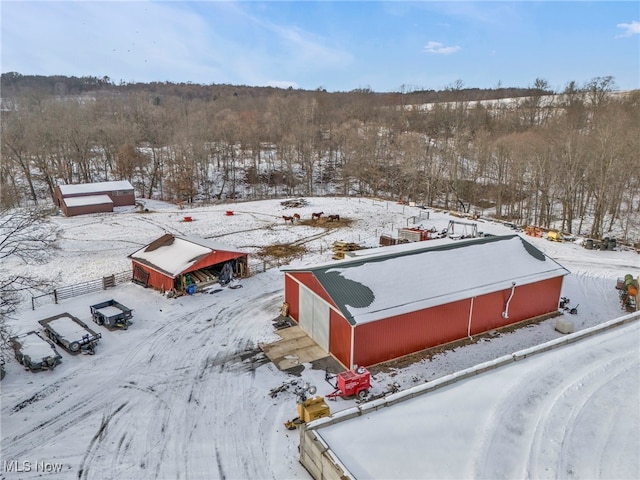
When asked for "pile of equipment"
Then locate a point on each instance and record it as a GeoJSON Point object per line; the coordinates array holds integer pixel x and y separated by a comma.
{"type": "Point", "coordinates": [628, 292]}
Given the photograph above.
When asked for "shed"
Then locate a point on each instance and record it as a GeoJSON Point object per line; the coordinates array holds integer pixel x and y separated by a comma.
{"type": "Point", "coordinates": [98, 197]}
{"type": "Point", "coordinates": [176, 263]}
{"type": "Point", "coordinates": [410, 297]}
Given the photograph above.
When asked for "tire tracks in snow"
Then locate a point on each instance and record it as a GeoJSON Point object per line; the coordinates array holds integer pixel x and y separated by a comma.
{"type": "Point", "coordinates": [185, 397]}
{"type": "Point", "coordinates": [540, 429]}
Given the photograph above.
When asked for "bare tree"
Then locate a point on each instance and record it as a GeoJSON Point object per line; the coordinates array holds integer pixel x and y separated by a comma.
{"type": "Point", "coordinates": [26, 236]}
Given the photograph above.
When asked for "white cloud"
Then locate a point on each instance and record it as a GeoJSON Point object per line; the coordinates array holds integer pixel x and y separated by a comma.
{"type": "Point", "coordinates": [632, 28]}
{"type": "Point", "coordinates": [440, 48]}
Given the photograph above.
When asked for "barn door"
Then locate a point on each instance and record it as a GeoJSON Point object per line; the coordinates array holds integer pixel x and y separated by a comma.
{"type": "Point", "coordinates": [314, 317]}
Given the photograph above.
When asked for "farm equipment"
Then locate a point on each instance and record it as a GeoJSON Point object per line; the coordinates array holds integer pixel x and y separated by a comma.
{"type": "Point", "coordinates": [391, 388]}
{"type": "Point", "coordinates": [309, 409]}
{"type": "Point", "coordinates": [70, 333]}
{"type": "Point", "coordinates": [604, 244]}
{"type": "Point", "coordinates": [111, 314]}
{"type": "Point", "coordinates": [628, 292]}
{"type": "Point", "coordinates": [555, 236]}
{"type": "Point", "coordinates": [34, 352]}
{"type": "Point", "coordinates": [565, 307]}
{"type": "Point", "coordinates": [352, 382]}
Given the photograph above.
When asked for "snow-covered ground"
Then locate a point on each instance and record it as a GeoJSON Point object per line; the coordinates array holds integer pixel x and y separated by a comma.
{"type": "Point", "coordinates": [185, 391]}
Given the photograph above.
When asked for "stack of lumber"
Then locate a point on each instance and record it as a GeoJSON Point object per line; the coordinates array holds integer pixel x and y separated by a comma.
{"type": "Point", "coordinates": [340, 248]}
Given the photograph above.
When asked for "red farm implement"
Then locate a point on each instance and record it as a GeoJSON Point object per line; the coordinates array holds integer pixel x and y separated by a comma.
{"type": "Point", "coordinates": [353, 382]}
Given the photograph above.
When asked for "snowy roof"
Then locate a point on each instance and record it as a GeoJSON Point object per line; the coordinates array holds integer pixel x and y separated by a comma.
{"type": "Point", "coordinates": [506, 422]}
{"type": "Point", "coordinates": [87, 200]}
{"type": "Point", "coordinates": [95, 187]}
{"type": "Point", "coordinates": [400, 281]}
{"type": "Point", "coordinates": [173, 255]}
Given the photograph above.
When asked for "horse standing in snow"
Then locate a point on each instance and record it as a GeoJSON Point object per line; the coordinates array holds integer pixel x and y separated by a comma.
{"type": "Point", "coordinates": [316, 216]}
{"type": "Point", "coordinates": [334, 218]}
{"type": "Point", "coordinates": [287, 219]}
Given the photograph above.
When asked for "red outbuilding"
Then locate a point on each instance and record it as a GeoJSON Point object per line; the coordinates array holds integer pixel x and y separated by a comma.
{"type": "Point", "coordinates": [398, 300]}
{"type": "Point", "coordinates": [187, 264]}
{"type": "Point", "coordinates": [98, 197]}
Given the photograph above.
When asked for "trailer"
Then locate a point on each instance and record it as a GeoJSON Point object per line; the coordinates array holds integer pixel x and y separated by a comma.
{"type": "Point", "coordinates": [111, 314]}
{"type": "Point", "coordinates": [413, 234]}
{"type": "Point", "coordinates": [34, 352]}
{"type": "Point", "coordinates": [352, 382]}
{"type": "Point", "coordinates": [70, 333]}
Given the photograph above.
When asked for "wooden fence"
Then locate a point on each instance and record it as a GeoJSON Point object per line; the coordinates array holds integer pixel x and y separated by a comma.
{"type": "Point", "coordinates": [109, 281]}
{"type": "Point", "coordinates": [91, 286]}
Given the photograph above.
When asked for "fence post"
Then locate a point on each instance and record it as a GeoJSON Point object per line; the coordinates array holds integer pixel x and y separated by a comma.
{"type": "Point", "coordinates": [108, 281]}
{"type": "Point", "coordinates": [55, 297]}
{"type": "Point", "coordinates": [33, 303]}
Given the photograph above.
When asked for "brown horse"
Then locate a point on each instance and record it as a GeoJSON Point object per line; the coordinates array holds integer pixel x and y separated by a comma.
{"type": "Point", "coordinates": [315, 216]}
{"type": "Point", "coordinates": [296, 217]}
{"type": "Point", "coordinates": [287, 219]}
{"type": "Point", "coordinates": [334, 217]}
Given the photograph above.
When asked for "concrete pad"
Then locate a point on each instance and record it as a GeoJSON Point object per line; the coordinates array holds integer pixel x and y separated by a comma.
{"type": "Point", "coordinates": [295, 348]}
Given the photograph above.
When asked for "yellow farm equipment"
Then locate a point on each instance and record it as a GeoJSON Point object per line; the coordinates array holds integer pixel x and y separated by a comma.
{"type": "Point", "coordinates": [554, 236]}
{"type": "Point", "coordinates": [309, 409]}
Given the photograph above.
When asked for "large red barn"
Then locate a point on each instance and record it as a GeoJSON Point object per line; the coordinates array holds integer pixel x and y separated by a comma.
{"type": "Point", "coordinates": [406, 298]}
{"type": "Point", "coordinates": [175, 263]}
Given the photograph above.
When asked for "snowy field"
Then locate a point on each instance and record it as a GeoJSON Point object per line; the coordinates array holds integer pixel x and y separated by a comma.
{"type": "Point", "coordinates": [185, 392]}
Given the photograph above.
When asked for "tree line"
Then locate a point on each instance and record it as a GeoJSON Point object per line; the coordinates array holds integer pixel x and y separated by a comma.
{"type": "Point", "coordinates": [566, 159]}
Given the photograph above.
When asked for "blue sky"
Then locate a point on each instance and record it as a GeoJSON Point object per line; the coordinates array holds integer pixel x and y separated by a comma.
{"type": "Point", "coordinates": [340, 46]}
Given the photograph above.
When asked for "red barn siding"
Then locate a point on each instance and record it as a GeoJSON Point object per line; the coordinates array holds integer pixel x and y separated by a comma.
{"type": "Point", "coordinates": [310, 281]}
{"type": "Point", "coordinates": [400, 335]}
{"type": "Point", "coordinates": [156, 279]}
{"type": "Point", "coordinates": [528, 301]}
{"type": "Point", "coordinates": [214, 258]}
{"type": "Point", "coordinates": [162, 281]}
{"type": "Point", "coordinates": [118, 200]}
{"type": "Point", "coordinates": [487, 312]}
{"type": "Point", "coordinates": [123, 199]}
{"type": "Point", "coordinates": [85, 209]}
{"type": "Point", "coordinates": [340, 338]}
{"type": "Point", "coordinates": [534, 299]}
{"type": "Point", "coordinates": [292, 296]}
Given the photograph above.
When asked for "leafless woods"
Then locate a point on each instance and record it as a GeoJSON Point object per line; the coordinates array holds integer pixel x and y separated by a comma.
{"type": "Point", "coordinates": [569, 159]}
